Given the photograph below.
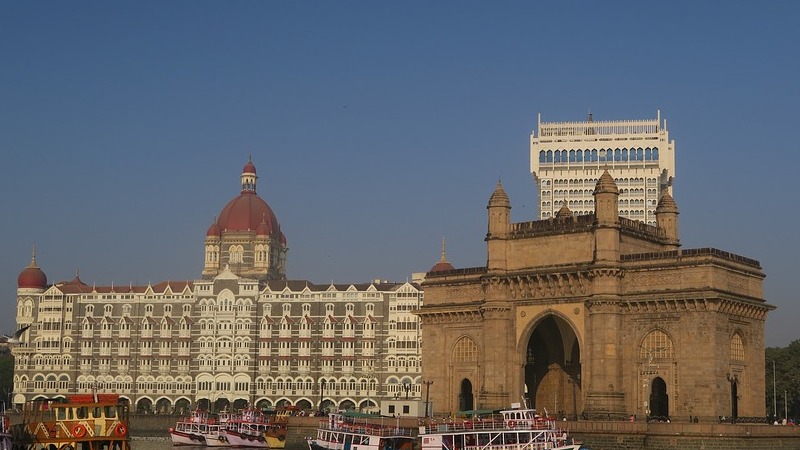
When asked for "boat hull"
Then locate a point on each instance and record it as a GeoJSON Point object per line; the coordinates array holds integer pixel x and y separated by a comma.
{"type": "Point", "coordinates": [237, 439]}
{"type": "Point", "coordinates": [183, 438]}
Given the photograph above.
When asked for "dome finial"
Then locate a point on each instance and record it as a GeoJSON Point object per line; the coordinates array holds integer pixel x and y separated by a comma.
{"type": "Point", "coordinates": [444, 251]}
{"type": "Point", "coordinates": [33, 257]}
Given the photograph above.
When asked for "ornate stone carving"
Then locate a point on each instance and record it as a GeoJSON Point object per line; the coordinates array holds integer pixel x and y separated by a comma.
{"type": "Point", "coordinates": [541, 285]}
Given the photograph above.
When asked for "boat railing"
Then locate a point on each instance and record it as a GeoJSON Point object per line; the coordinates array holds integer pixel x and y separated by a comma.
{"type": "Point", "coordinates": [372, 429]}
{"type": "Point", "coordinates": [488, 424]}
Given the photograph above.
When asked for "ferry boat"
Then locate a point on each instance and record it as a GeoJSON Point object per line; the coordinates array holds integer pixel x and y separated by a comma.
{"type": "Point", "coordinates": [511, 429]}
{"type": "Point", "coordinates": [79, 422]}
{"type": "Point", "coordinates": [200, 428]}
{"type": "Point", "coordinates": [247, 429]}
{"type": "Point", "coordinates": [357, 431]}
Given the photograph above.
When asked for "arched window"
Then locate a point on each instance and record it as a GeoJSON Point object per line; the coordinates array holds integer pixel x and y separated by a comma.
{"type": "Point", "coordinates": [656, 345]}
{"type": "Point", "coordinates": [465, 350]}
{"type": "Point", "coordinates": [737, 348]}
{"type": "Point", "coordinates": [542, 156]}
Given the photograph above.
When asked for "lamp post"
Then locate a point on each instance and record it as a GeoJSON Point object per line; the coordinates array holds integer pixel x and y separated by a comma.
{"type": "Point", "coordinates": [427, 396]}
{"type": "Point", "coordinates": [774, 393]}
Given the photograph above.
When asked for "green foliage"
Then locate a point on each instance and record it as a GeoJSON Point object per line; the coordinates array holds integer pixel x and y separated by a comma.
{"type": "Point", "coordinates": [786, 376]}
{"type": "Point", "coordinates": [6, 374]}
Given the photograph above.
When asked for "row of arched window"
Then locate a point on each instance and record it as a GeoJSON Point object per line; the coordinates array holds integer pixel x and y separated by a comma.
{"type": "Point", "coordinates": [658, 345]}
{"type": "Point", "coordinates": [602, 155]}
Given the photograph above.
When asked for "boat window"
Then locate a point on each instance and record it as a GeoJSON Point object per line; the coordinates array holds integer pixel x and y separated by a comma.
{"type": "Point", "coordinates": [61, 413]}
{"type": "Point", "coordinates": [111, 412]}
{"type": "Point", "coordinates": [82, 412]}
{"type": "Point", "coordinates": [98, 412]}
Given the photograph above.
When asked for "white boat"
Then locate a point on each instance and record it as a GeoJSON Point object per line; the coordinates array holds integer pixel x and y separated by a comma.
{"type": "Point", "coordinates": [356, 431]}
{"type": "Point", "coordinates": [247, 429]}
{"type": "Point", "coordinates": [200, 428]}
{"type": "Point", "coordinates": [511, 429]}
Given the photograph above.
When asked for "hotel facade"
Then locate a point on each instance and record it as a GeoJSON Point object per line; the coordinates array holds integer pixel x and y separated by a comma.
{"type": "Point", "coordinates": [241, 334]}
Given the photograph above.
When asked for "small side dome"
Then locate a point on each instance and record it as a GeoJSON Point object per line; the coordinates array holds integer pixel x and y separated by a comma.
{"type": "Point", "coordinates": [606, 184]}
{"type": "Point", "coordinates": [213, 230]}
{"type": "Point", "coordinates": [666, 204]}
{"type": "Point", "coordinates": [443, 265]}
{"type": "Point", "coordinates": [32, 277]}
{"type": "Point", "coordinates": [564, 211]}
{"type": "Point", "coordinates": [499, 197]}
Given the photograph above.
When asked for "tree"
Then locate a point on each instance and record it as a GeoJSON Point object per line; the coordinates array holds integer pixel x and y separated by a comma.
{"type": "Point", "coordinates": [6, 374]}
{"type": "Point", "coordinates": [784, 393]}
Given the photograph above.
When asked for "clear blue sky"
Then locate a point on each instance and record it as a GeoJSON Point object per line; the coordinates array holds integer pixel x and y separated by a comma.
{"type": "Point", "coordinates": [377, 127]}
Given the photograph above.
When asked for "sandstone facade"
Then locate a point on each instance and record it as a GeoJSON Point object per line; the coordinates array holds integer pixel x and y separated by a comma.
{"type": "Point", "coordinates": [596, 315]}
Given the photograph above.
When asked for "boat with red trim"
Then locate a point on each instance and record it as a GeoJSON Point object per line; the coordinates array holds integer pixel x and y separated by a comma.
{"type": "Point", "coordinates": [78, 422]}
{"type": "Point", "coordinates": [200, 428]}
{"type": "Point", "coordinates": [511, 429]}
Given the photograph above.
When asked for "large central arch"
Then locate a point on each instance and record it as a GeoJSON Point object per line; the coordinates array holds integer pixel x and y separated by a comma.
{"type": "Point", "coordinates": [552, 378]}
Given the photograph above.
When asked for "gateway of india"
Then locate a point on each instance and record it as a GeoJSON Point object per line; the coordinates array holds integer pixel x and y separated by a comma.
{"type": "Point", "coordinates": [594, 310]}
{"type": "Point", "coordinates": [594, 314]}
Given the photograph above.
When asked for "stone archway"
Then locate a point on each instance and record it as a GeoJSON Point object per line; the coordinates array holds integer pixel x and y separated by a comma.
{"type": "Point", "coordinates": [552, 368]}
{"type": "Point", "coordinates": [659, 400]}
{"type": "Point", "coordinates": [466, 399]}
{"type": "Point", "coordinates": [144, 406]}
{"type": "Point", "coordinates": [163, 406]}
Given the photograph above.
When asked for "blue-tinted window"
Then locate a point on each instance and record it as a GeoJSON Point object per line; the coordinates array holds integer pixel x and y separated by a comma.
{"type": "Point", "coordinates": [594, 155]}
{"type": "Point", "coordinates": [549, 156]}
{"type": "Point", "coordinates": [542, 156]}
{"type": "Point", "coordinates": [579, 155]}
{"type": "Point", "coordinates": [655, 153]}
{"type": "Point", "coordinates": [572, 156]}
{"type": "Point", "coordinates": [648, 156]}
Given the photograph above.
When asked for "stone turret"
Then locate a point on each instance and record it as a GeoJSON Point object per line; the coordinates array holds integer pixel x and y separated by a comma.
{"type": "Point", "coordinates": [606, 204]}
{"type": "Point", "coordinates": [499, 208]}
{"type": "Point", "coordinates": [667, 218]}
{"type": "Point", "coordinates": [606, 199]}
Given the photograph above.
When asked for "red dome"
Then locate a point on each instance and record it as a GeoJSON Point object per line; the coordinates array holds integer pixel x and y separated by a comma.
{"type": "Point", "coordinates": [32, 277]}
{"type": "Point", "coordinates": [213, 230]}
{"type": "Point", "coordinates": [442, 266]}
{"type": "Point", "coordinates": [249, 167]}
{"type": "Point", "coordinates": [246, 212]}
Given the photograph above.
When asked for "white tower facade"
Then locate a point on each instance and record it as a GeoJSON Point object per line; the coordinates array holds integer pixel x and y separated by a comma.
{"type": "Point", "coordinates": [567, 158]}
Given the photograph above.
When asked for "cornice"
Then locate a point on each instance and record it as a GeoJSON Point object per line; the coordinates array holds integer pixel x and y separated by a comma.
{"type": "Point", "coordinates": [469, 313]}
{"type": "Point", "coordinates": [747, 309]}
{"type": "Point", "coordinates": [541, 285]}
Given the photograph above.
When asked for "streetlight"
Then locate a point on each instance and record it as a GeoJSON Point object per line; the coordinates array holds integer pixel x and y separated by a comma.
{"type": "Point", "coordinates": [774, 393]}
{"type": "Point", "coordinates": [427, 395]}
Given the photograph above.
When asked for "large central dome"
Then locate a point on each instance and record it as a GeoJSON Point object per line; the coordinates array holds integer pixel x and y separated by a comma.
{"type": "Point", "coordinates": [247, 211]}
{"type": "Point", "coordinates": [246, 236]}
